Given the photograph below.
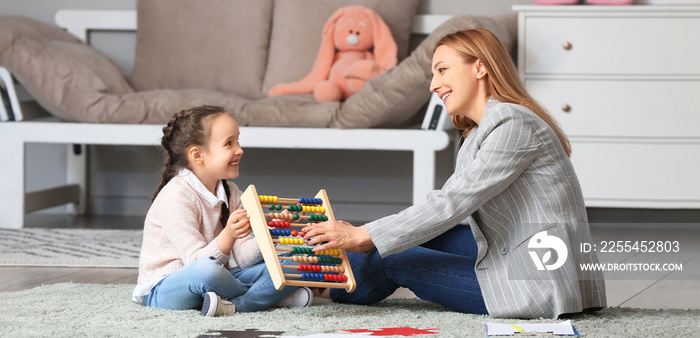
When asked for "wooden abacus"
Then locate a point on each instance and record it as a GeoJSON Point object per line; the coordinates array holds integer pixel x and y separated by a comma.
{"type": "Point", "coordinates": [326, 269]}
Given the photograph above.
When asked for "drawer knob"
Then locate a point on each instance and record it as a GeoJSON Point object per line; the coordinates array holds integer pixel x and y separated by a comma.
{"type": "Point", "coordinates": [566, 45]}
{"type": "Point", "coordinates": [566, 108]}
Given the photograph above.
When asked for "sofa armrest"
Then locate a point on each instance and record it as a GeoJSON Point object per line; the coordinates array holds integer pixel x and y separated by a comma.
{"type": "Point", "coordinates": [80, 22]}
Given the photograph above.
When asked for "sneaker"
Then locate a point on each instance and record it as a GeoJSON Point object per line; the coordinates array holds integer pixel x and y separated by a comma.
{"type": "Point", "coordinates": [301, 297]}
{"type": "Point", "coordinates": [214, 306]}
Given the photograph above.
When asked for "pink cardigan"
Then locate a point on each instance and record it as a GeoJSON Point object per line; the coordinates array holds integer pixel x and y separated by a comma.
{"type": "Point", "coordinates": [181, 227]}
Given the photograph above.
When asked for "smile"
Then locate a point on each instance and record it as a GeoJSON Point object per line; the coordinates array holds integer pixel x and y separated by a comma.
{"type": "Point", "coordinates": [444, 97]}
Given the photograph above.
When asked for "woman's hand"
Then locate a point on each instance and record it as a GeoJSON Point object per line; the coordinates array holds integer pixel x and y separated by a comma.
{"type": "Point", "coordinates": [338, 235]}
{"type": "Point", "coordinates": [238, 225]}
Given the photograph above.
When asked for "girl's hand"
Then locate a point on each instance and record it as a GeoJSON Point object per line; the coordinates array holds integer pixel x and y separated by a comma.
{"type": "Point", "coordinates": [338, 235]}
{"type": "Point", "coordinates": [238, 225]}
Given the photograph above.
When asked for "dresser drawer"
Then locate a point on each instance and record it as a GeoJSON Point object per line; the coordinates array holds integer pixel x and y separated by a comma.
{"type": "Point", "coordinates": [614, 45]}
{"type": "Point", "coordinates": [621, 108]}
{"type": "Point", "coordinates": [638, 174]}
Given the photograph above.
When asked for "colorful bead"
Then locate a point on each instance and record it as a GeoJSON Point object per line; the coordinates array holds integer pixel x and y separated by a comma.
{"type": "Point", "coordinates": [275, 232]}
{"type": "Point", "coordinates": [293, 241]}
{"type": "Point", "coordinates": [324, 277]}
{"type": "Point", "coordinates": [300, 250]}
{"type": "Point", "coordinates": [274, 224]}
{"type": "Point", "coordinates": [318, 218]}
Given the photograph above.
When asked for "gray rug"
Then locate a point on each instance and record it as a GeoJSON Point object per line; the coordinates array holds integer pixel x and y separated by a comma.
{"type": "Point", "coordinates": [70, 247]}
{"type": "Point", "coordinates": [91, 310]}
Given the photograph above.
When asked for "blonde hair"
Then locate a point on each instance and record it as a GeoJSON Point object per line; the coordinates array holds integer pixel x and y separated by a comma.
{"type": "Point", "coordinates": [502, 78]}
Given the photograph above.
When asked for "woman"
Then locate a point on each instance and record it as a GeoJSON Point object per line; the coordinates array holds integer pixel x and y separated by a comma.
{"type": "Point", "coordinates": [502, 235]}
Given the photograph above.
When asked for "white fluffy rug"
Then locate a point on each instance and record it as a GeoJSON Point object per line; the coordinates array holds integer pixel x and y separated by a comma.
{"type": "Point", "coordinates": [70, 247]}
{"type": "Point", "coordinates": [91, 310]}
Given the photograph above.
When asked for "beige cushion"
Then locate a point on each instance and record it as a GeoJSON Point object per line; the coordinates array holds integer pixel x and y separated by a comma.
{"type": "Point", "coordinates": [393, 98]}
{"type": "Point", "coordinates": [297, 26]}
{"type": "Point", "coordinates": [209, 44]}
{"type": "Point", "coordinates": [65, 76]}
{"type": "Point", "coordinates": [76, 83]}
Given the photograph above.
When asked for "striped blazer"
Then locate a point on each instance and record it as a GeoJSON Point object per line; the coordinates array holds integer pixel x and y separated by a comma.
{"type": "Point", "coordinates": [517, 189]}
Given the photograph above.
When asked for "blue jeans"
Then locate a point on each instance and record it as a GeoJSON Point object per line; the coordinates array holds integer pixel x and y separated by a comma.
{"type": "Point", "coordinates": [440, 271]}
{"type": "Point", "coordinates": [250, 289]}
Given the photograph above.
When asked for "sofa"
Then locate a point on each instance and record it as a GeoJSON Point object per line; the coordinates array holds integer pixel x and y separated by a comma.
{"type": "Point", "coordinates": [228, 53]}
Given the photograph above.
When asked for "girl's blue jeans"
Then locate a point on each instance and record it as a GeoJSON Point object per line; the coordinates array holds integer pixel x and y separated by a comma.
{"type": "Point", "coordinates": [250, 289]}
{"type": "Point", "coordinates": [440, 271]}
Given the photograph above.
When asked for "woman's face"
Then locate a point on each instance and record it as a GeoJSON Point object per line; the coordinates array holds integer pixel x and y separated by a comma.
{"type": "Point", "coordinates": [455, 81]}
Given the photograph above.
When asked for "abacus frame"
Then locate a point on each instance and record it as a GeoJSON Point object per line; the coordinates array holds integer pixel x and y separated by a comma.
{"type": "Point", "coordinates": [256, 215]}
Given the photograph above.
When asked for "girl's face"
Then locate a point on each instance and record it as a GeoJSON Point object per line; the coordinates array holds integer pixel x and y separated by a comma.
{"type": "Point", "coordinates": [222, 153]}
{"type": "Point", "coordinates": [456, 82]}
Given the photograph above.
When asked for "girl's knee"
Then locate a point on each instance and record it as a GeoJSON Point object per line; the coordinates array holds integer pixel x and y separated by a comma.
{"type": "Point", "coordinates": [208, 268]}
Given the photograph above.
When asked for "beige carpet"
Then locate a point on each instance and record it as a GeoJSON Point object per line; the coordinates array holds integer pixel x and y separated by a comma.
{"type": "Point", "coordinates": [91, 310]}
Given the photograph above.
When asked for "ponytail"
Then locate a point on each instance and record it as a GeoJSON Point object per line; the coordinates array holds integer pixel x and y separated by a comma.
{"type": "Point", "coordinates": [225, 212]}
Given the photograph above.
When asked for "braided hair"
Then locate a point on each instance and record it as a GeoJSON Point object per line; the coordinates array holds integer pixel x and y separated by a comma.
{"type": "Point", "coordinates": [185, 129]}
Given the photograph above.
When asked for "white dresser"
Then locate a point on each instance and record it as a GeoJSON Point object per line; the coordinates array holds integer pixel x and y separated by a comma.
{"type": "Point", "coordinates": [624, 83]}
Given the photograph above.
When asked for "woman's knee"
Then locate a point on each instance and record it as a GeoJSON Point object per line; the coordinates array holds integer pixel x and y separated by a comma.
{"type": "Point", "coordinates": [402, 258]}
{"type": "Point", "coordinates": [374, 263]}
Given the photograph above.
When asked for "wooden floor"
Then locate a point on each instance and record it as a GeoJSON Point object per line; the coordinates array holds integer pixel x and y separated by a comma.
{"type": "Point", "coordinates": [665, 290]}
{"type": "Point", "coordinates": [25, 277]}
{"type": "Point", "coordinates": [19, 278]}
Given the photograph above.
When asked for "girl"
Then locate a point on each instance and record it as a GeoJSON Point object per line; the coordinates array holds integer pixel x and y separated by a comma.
{"type": "Point", "coordinates": [189, 236]}
{"type": "Point", "coordinates": [479, 245]}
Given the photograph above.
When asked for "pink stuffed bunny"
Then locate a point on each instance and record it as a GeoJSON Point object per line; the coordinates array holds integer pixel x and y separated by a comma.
{"type": "Point", "coordinates": [356, 46]}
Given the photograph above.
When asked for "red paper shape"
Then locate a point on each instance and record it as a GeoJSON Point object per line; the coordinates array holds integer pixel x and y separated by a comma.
{"type": "Point", "coordinates": [395, 331]}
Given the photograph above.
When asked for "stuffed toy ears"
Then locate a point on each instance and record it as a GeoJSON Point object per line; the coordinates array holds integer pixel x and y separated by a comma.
{"type": "Point", "coordinates": [384, 45]}
{"type": "Point", "coordinates": [326, 53]}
